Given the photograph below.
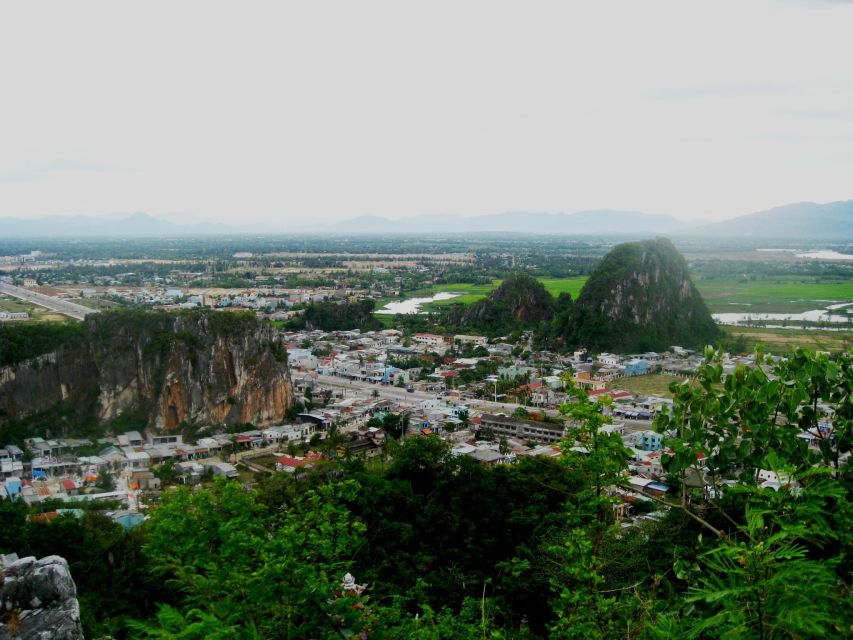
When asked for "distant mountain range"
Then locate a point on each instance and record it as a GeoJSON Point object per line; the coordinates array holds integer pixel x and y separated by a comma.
{"type": "Point", "coordinates": [136, 224]}
{"type": "Point", "coordinates": [604, 221]}
{"type": "Point", "coordinates": [831, 221]}
{"type": "Point", "coordinates": [803, 220]}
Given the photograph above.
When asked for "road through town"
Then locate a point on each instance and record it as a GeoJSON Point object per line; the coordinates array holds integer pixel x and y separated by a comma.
{"type": "Point", "coordinates": [364, 389]}
{"type": "Point", "coordinates": [76, 311]}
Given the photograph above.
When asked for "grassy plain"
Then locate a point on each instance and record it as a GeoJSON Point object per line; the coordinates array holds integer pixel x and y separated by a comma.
{"type": "Point", "coordinates": [468, 292]}
{"type": "Point", "coordinates": [37, 313]}
{"type": "Point", "coordinates": [782, 341]}
{"type": "Point", "coordinates": [768, 295]}
{"type": "Point", "coordinates": [474, 292]}
{"type": "Point", "coordinates": [772, 295]}
{"type": "Point", "coordinates": [654, 384]}
{"type": "Point", "coordinates": [96, 303]}
{"type": "Point", "coordinates": [572, 286]}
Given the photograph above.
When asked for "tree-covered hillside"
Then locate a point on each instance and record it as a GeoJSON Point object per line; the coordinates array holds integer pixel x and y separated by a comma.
{"type": "Point", "coordinates": [520, 302]}
{"type": "Point", "coordinates": [338, 316]}
{"type": "Point", "coordinates": [640, 298]}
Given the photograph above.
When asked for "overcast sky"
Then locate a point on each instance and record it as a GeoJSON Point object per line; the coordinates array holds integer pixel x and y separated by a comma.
{"type": "Point", "coordinates": [247, 111]}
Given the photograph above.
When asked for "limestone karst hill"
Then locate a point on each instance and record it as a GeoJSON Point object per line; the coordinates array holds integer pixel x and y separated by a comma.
{"type": "Point", "coordinates": [164, 369]}
{"type": "Point", "coordinates": [640, 298]}
{"type": "Point", "coordinates": [520, 301]}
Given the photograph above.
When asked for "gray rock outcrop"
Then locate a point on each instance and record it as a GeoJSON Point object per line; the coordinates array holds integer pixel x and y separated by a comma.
{"type": "Point", "coordinates": [203, 368]}
{"type": "Point", "coordinates": [38, 600]}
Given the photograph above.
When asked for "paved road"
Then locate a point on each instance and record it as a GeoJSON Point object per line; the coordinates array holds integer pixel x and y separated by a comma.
{"type": "Point", "coordinates": [365, 389]}
{"type": "Point", "coordinates": [76, 311]}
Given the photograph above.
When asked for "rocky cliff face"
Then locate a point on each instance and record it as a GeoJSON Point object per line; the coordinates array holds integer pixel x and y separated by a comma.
{"type": "Point", "coordinates": [38, 599]}
{"type": "Point", "coordinates": [641, 298]}
{"type": "Point", "coordinates": [205, 368]}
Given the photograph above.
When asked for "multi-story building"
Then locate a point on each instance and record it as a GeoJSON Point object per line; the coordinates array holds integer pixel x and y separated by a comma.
{"type": "Point", "coordinates": [524, 430]}
{"type": "Point", "coordinates": [430, 340]}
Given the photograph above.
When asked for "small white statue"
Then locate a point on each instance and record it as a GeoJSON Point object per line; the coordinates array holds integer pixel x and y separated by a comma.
{"type": "Point", "coordinates": [349, 587]}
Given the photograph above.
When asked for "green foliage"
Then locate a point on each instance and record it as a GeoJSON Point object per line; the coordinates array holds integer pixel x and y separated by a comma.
{"type": "Point", "coordinates": [249, 573]}
{"type": "Point", "coordinates": [780, 565]}
{"type": "Point", "coordinates": [338, 316]}
{"type": "Point", "coordinates": [69, 418]}
{"type": "Point", "coordinates": [764, 585]}
{"type": "Point", "coordinates": [395, 424]}
{"type": "Point", "coordinates": [520, 302]}
{"type": "Point", "coordinates": [232, 323]}
{"type": "Point", "coordinates": [13, 525]}
{"type": "Point", "coordinates": [112, 577]}
{"type": "Point", "coordinates": [21, 341]}
{"type": "Point", "coordinates": [105, 480]}
{"type": "Point", "coordinates": [599, 460]}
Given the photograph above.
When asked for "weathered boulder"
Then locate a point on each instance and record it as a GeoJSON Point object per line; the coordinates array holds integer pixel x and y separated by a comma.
{"type": "Point", "coordinates": [38, 600]}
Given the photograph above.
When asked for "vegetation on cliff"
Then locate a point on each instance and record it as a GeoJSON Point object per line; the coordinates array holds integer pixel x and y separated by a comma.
{"type": "Point", "coordinates": [159, 369]}
{"type": "Point", "coordinates": [21, 341]}
{"type": "Point", "coordinates": [520, 302]}
{"type": "Point", "coordinates": [338, 316]}
{"type": "Point", "coordinates": [640, 298]}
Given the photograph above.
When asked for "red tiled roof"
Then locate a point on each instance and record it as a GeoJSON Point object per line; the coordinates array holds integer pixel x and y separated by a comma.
{"type": "Point", "coordinates": [287, 461]}
{"type": "Point", "coordinates": [50, 515]}
{"type": "Point", "coordinates": [68, 485]}
{"type": "Point", "coordinates": [618, 395]}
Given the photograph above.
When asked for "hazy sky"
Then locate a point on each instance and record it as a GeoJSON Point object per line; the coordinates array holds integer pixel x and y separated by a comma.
{"type": "Point", "coordinates": [248, 111]}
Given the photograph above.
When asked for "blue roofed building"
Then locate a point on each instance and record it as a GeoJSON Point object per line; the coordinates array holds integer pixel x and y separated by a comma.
{"type": "Point", "coordinates": [636, 367]}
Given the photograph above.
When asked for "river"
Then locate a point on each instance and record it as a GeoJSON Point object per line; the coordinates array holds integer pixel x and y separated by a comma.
{"type": "Point", "coordinates": [412, 306]}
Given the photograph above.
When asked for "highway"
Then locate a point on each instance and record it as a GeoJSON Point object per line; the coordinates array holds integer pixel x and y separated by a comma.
{"type": "Point", "coordinates": [76, 311]}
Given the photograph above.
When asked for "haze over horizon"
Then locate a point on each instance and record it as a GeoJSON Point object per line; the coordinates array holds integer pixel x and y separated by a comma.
{"type": "Point", "coordinates": [270, 113]}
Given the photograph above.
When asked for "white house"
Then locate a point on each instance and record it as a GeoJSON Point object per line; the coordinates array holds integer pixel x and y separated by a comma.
{"type": "Point", "coordinates": [429, 340]}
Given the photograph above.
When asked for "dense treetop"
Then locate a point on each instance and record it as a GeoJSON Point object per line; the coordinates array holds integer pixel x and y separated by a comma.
{"type": "Point", "coordinates": [520, 302]}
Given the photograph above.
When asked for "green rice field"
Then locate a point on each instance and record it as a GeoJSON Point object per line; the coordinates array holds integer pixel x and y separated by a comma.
{"type": "Point", "coordinates": [782, 341]}
{"type": "Point", "coordinates": [721, 294]}
{"type": "Point", "coordinates": [474, 292]}
{"type": "Point", "coordinates": [771, 295]}
{"type": "Point", "coordinates": [469, 292]}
